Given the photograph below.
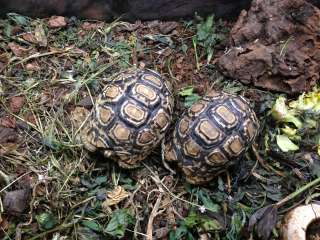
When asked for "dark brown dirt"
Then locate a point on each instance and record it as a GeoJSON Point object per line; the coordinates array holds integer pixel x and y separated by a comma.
{"type": "Point", "coordinates": [276, 46]}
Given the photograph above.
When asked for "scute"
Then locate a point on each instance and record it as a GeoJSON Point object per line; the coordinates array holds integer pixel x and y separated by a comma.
{"type": "Point", "coordinates": [120, 133]}
{"type": "Point", "coordinates": [146, 137]}
{"type": "Point", "coordinates": [192, 149]}
{"type": "Point", "coordinates": [211, 136]}
{"type": "Point", "coordinates": [234, 146]}
{"type": "Point", "coordinates": [154, 80]}
{"type": "Point", "coordinates": [133, 113]}
{"type": "Point", "coordinates": [183, 126]}
{"type": "Point", "coordinates": [225, 117]}
{"type": "Point", "coordinates": [105, 115]}
{"type": "Point", "coordinates": [197, 108]}
{"type": "Point", "coordinates": [112, 93]}
{"type": "Point", "coordinates": [208, 132]}
{"type": "Point", "coordinates": [130, 117]}
{"type": "Point", "coordinates": [216, 158]}
{"type": "Point", "coordinates": [162, 121]}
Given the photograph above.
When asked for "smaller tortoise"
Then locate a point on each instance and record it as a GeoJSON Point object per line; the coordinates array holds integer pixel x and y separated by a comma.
{"type": "Point", "coordinates": [130, 117]}
{"type": "Point", "coordinates": [212, 135]}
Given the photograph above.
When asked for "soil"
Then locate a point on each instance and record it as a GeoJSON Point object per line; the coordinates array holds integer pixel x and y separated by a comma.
{"type": "Point", "coordinates": [54, 189]}
{"type": "Point", "coordinates": [276, 46]}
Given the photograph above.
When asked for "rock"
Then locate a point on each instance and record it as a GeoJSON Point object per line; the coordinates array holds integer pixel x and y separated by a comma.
{"type": "Point", "coordinates": [275, 45]}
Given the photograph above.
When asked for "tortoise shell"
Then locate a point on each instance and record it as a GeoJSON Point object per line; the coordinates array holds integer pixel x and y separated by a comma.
{"type": "Point", "coordinates": [212, 135]}
{"type": "Point", "coordinates": [130, 117]}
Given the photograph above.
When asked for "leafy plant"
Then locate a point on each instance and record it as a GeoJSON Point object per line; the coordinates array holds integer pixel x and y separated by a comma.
{"type": "Point", "coordinates": [194, 221]}
{"type": "Point", "coordinates": [120, 221]}
{"type": "Point", "coordinates": [207, 36]}
{"type": "Point", "coordinates": [46, 221]}
{"type": "Point", "coordinates": [92, 224]}
{"type": "Point", "coordinates": [238, 221]}
{"type": "Point", "coordinates": [189, 96]}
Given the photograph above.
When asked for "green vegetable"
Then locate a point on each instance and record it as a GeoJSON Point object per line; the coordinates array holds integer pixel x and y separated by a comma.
{"type": "Point", "coordinates": [281, 113]}
{"type": "Point", "coordinates": [285, 144]}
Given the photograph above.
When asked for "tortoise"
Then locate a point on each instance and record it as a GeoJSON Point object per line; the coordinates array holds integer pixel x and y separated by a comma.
{"type": "Point", "coordinates": [130, 117]}
{"type": "Point", "coordinates": [211, 135]}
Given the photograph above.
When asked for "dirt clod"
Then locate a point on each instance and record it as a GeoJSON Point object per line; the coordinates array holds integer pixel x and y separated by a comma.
{"type": "Point", "coordinates": [275, 45]}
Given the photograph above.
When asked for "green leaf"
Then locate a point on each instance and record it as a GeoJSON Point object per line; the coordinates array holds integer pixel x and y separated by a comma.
{"type": "Point", "coordinates": [189, 96]}
{"type": "Point", "coordinates": [290, 132]}
{"type": "Point", "coordinates": [101, 180]}
{"type": "Point", "coordinates": [160, 38]}
{"type": "Point", "coordinates": [207, 202]}
{"type": "Point", "coordinates": [187, 91]}
{"type": "Point", "coordinates": [18, 19]}
{"type": "Point", "coordinates": [192, 220]}
{"type": "Point", "coordinates": [189, 100]}
{"type": "Point", "coordinates": [93, 225]}
{"type": "Point", "coordinates": [179, 233]}
{"type": "Point", "coordinates": [285, 144]}
{"type": "Point", "coordinates": [184, 48]}
{"type": "Point", "coordinates": [46, 221]}
{"type": "Point", "coordinates": [120, 220]}
{"type": "Point", "coordinates": [211, 225]}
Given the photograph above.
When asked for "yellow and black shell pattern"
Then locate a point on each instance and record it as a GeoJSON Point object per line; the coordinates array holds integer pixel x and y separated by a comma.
{"type": "Point", "coordinates": [212, 135]}
{"type": "Point", "coordinates": [130, 117]}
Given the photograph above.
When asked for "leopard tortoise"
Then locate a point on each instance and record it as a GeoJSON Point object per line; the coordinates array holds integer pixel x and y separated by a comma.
{"type": "Point", "coordinates": [130, 117]}
{"type": "Point", "coordinates": [211, 135]}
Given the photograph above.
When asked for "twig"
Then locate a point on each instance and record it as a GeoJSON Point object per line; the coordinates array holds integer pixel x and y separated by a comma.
{"type": "Point", "coordinates": [173, 195]}
{"type": "Point", "coordinates": [38, 55]}
{"type": "Point", "coordinates": [264, 165]}
{"type": "Point", "coordinates": [8, 185]}
{"type": "Point", "coordinates": [298, 192]}
{"type": "Point", "coordinates": [60, 228]}
{"type": "Point", "coordinates": [153, 214]}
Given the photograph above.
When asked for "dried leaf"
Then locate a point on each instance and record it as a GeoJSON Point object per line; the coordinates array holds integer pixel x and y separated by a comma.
{"type": "Point", "coordinates": [167, 27]}
{"type": "Point", "coordinates": [7, 135]}
{"type": "Point", "coordinates": [33, 67]}
{"type": "Point", "coordinates": [6, 148]}
{"type": "Point", "coordinates": [57, 22]}
{"type": "Point", "coordinates": [8, 122]}
{"type": "Point", "coordinates": [17, 49]}
{"type": "Point", "coordinates": [16, 202]}
{"type": "Point", "coordinates": [40, 36]}
{"type": "Point", "coordinates": [29, 37]}
{"type": "Point", "coordinates": [264, 220]}
{"type": "Point", "coordinates": [116, 196]}
{"type": "Point", "coordinates": [16, 103]}
{"type": "Point", "coordinates": [91, 26]}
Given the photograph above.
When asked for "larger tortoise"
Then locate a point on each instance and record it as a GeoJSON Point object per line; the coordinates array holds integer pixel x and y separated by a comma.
{"type": "Point", "coordinates": [212, 135]}
{"type": "Point", "coordinates": [130, 117]}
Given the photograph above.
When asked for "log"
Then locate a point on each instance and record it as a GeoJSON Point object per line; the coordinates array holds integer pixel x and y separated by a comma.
{"type": "Point", "coordinates": [129, 10]}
